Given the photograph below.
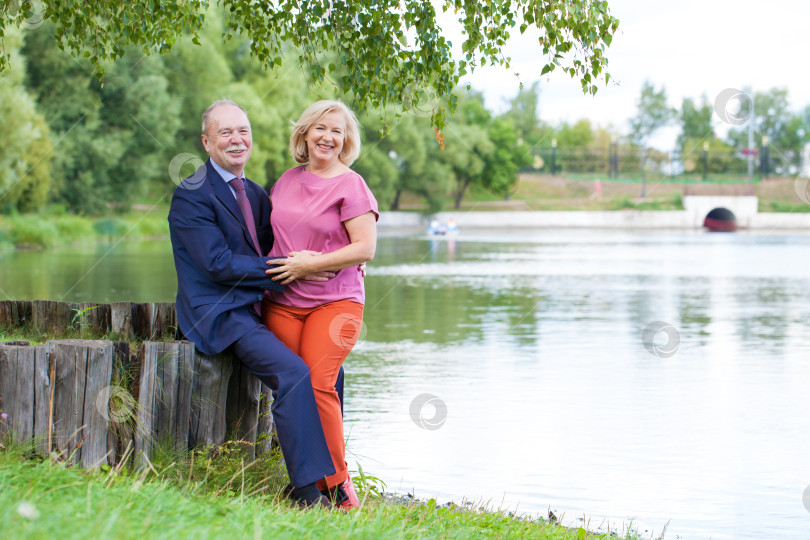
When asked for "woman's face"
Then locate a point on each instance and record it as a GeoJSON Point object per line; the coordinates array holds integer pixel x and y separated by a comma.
{"type": "Point", "coordinates": [325, 138]}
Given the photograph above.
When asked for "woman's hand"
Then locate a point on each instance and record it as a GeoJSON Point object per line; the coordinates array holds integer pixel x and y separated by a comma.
{"type": "Point", "coordinates": [324, 275]}
{"type": "Point", "coordinates": [298, 265]}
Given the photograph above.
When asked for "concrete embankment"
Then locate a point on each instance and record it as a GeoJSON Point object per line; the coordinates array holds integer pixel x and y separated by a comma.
{"type": "Point", "coordinates": [696, 209]}
{"type": "Point", "coordinates": [630, 219]}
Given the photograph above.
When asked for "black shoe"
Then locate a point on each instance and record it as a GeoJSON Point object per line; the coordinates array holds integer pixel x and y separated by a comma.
{"type": "Point", "coordinates": [288, 492]}
{"type": "Point", "coordinates": [320, 502]}
{"type": "Point", "coordinates": [336, 495]}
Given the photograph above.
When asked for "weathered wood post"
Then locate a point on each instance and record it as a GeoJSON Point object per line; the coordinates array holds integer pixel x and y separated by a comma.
{"type": "Point", "coordinates": [243, 406]}
{"type": "Point", "coordinates": [91, 400]}
{"type": "Point", "coordinates": [164, 401]}
{"type": "Point", "coordinates": [122, 402]}
{"type": "Point", "coordinates": [121, 319]}
{"type": "Point", "coordinates": [24, 393]}
{"type": "Point", "coordinates": [91, 316]}
{"type": "Point", "coordinates": [209, 399]}
{"type": "Point", "coordinates": [82, 370]}
{"type": "Point", "coordinates": [10, 314]}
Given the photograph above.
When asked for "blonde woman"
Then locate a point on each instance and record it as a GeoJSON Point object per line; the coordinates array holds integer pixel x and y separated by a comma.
{"type": "Point", "coordinates": [324, 219]}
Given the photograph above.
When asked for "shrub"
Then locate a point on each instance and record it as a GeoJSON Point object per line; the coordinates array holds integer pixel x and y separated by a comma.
{"type": "Point", "coordinates": [31, 231]}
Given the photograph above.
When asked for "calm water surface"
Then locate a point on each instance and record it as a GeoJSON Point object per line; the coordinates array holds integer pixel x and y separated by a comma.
{"type": "Point", "coordinates": [543, 392]}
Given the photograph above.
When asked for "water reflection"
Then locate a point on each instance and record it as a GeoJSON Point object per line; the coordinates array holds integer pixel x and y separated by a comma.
{"type": "Point", "coordinates": [533, 341]}
{"type": "Point", "coordinates": [535, 346]}
{"type": "Point", "coordinates": [126, 271]}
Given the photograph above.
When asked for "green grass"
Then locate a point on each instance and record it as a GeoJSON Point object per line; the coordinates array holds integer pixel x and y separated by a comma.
{"type": "Point", "coordinates": [28, 231]}
{"type": "Point", "coordinates": [782, 206]}
{"type": "Point", "coordinates": [218, 496]}
{"type": "Point", "coordinates": [671, 202]}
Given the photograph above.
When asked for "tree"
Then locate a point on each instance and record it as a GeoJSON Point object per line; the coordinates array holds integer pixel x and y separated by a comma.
{"type": "Point", "coordinates": [416, 158]}
{"type": "Point", "coordinates": [652, 113]}
{"type": "Point", "coordinates": [696, 121]}
{"type": "Point", "coordinates": [25, 143]}
{"type": "Point", "coordinates": [509, 156]}
{"type": "Point", "coordinates": [578, 135]}
{"type": "Point", "coordinates": [774, 119]}
{"type": "Point", "coordinates": [377, 51]}
{"type": "Point", "coordinates": [523, 113]}
{"type": "Point", "coordinates": [113, 135]}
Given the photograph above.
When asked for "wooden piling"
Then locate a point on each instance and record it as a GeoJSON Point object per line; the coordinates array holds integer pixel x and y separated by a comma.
{"type": "Point", "coordinates": [121, 320]}
{"type": "Point", "coordinates": [209, 396]}
{"type": "Point", "coordinates": [92, 400]}
{"type": "Point", "coordinates": [243, 405]}
{"type": "Point", "coordinates": [24, 387]}
{"type": "Point", "coordinates": [164, 401]}
{"type": "Point", "coordinates": [80, 418]}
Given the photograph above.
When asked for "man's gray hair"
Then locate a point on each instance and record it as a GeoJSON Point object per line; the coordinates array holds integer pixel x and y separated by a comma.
{"type": "Point", "coordinates": [214, 105]}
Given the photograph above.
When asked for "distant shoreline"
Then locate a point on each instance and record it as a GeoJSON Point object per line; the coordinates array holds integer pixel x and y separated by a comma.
{"type": "Point", "coordinates": [583, 219]}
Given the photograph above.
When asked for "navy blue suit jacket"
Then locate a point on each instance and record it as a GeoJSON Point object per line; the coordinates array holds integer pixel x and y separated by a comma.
{"type": "Point", "coordinates": [219, 273]}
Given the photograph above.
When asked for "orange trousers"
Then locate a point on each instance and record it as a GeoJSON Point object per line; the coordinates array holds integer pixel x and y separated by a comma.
{"type": "Point", "coordinates": [323, 336]}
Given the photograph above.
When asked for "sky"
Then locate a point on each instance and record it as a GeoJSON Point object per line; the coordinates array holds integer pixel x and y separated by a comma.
{"type": "Point", "coordinates": [690, 47]}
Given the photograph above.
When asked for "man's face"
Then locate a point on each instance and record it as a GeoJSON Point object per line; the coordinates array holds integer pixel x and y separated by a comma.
{"type": "Point", "coordinates": [228, 139]}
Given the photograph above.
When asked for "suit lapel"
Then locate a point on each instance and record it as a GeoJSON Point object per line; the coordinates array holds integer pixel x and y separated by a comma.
{"type": "Point", "coordinates": [225, 196]}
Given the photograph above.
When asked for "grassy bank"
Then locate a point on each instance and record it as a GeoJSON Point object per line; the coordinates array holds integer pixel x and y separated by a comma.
{"type": "Point", "coordinates": [54, 227]}
{"type": "Point", "coordinates": [540, 192]}
{"type": "Point", "coordinates": [220, 496]}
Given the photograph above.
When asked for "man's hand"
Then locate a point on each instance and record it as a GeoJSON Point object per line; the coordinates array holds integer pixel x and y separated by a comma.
{"type": "Point", "coordinates": [319, 276]}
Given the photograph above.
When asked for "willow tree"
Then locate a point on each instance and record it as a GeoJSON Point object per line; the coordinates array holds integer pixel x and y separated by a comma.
{"type": "Point", "coordinates": [378, 51]}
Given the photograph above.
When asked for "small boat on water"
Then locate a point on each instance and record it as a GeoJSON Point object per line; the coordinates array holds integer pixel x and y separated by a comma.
{"type": "Point", "coordinates": [443, 229]}
{"type": "Point", "coordinates": [720, 220]}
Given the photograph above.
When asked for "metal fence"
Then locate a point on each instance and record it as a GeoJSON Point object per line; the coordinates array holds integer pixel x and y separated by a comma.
{"type": "Point", "coordinates": [691, 164]}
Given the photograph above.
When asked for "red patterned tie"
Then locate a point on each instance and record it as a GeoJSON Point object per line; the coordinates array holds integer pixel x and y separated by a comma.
{"type": "Point", "coordinates": [247, 212]}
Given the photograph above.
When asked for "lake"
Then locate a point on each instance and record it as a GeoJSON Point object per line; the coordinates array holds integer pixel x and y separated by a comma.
{"type": "Point", "coordinates": [658, 377]}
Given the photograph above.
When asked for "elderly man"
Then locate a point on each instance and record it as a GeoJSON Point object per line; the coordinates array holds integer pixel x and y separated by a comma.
{"type": "Point", "coordinates": [220, 229]}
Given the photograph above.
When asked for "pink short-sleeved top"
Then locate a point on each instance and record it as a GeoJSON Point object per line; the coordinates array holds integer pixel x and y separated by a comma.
{"type": "Point", "coordinates": [308, 213]}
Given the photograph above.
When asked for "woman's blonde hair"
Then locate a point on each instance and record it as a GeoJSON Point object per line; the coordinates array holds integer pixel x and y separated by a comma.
{"type": "Point", "coordinates": [351, 138]}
